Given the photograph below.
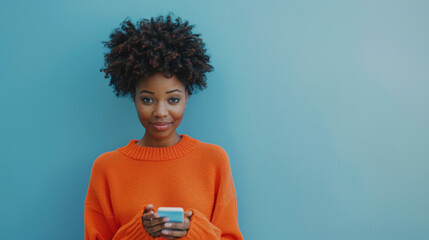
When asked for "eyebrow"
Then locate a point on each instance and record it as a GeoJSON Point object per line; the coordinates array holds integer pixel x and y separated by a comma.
{"type": "Point", "coordinates": [175, 90]}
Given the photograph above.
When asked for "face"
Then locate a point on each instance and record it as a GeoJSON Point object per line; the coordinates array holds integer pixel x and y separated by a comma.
{"type": "Point", "coordinates": [160, 104]}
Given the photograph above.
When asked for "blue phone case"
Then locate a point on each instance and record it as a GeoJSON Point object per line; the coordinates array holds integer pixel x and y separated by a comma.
{"type": "Point", "coordinates": [174, 216]}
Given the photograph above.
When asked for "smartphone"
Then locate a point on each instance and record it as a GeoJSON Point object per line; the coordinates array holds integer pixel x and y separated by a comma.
{"type": "Point", "coordinates": [174, 214]}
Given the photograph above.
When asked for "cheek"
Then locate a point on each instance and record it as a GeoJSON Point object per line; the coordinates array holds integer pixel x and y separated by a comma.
{"type": "Point", "coordinates": [144, 114]}
{"type": "Point", "coordinates": [177, 113]}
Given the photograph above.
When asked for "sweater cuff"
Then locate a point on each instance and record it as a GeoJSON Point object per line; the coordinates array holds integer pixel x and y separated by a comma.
{"type": "Point", "coordinates": [201, 228]}
{"type": "Point", "coordinates": [134, 229]}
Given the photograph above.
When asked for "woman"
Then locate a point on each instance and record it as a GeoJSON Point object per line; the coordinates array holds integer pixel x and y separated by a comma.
{"type": "Point", "coordinates": [159, 62]}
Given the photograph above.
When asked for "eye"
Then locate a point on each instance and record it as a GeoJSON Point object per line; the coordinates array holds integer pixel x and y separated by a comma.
{"type": "Point", "coordinates": [174, 100]}
{"type": "Point", "coordinates": [146, 100]}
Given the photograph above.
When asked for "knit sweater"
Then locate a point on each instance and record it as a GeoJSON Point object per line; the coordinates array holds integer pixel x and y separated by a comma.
{"type": "Point", "coordinates": [190, 174]}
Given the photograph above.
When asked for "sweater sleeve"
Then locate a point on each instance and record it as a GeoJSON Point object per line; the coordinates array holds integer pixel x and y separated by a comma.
{"type": "Point", "coordinates": [101, 227]}
{"type": "Point", "coordinates": [99, 221]}
{"type": "Point", "coordinates": [224, 222]}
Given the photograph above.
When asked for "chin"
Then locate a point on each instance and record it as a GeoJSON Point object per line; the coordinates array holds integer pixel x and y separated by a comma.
{"type": "Point", "coordinates": [161, 134]}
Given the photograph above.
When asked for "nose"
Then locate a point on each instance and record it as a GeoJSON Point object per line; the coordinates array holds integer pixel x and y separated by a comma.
{"type": "Point", "coordinates": [161, 110]}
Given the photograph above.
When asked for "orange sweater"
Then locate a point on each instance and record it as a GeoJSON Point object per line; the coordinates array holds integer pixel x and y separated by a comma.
{"type": "Point", "coordinates": [190, 174]}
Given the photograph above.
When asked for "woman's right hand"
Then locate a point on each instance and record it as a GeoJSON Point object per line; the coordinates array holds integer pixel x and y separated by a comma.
{"type": "Point", "coordinates": [152, 223]}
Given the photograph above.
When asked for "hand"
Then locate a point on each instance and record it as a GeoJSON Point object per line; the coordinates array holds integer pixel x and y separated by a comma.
{"type": "Point", "coordinates": [180, 229]}
{"type": "Point", "coordinates": [152, 223]}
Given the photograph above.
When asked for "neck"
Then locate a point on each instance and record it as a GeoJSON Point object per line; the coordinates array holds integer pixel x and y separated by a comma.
{"type": "Point", "coordinates": [148, 141]}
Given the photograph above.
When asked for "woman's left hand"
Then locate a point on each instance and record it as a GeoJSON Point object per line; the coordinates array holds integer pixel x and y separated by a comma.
{"type": "Point", "coordinates": [180, 229]}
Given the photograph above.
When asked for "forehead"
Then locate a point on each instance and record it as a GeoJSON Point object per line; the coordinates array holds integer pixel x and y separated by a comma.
{"type": "Point", "coordinates": [159, 82]}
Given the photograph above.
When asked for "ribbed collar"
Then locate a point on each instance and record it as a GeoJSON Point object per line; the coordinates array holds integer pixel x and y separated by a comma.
{"type": "Point", "coordinates": [178, 150]}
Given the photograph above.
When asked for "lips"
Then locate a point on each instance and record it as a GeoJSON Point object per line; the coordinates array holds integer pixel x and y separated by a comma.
{"type": "Point", "coordinates": [160, 123]}
{"type": "Point", "coordinates": [161, 126]}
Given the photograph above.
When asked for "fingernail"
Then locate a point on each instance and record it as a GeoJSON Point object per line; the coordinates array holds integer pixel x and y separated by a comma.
{"type": "Point", "coordinates": [164, 231]}
{"type": "Point", "coordinates": [167, 224]}
{"type": "Point", "coordinates": [156, 215]}
{"type": "Point", "coordinates": [166, 219]}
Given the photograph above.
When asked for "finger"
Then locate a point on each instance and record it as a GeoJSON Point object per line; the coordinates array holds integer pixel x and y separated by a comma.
{"type": "Point", "coordinates": [178, 226]}
{"type": "Point", "coordinates": [153, 224]}
{"type": "Point", "coordinates": [155, 231]}
{"type": "Point", "coordinates": [155, 234]}
{"type": "Point", "coordinates": [153, 227]}
{"type": "Point", "coordinates": [149, 216]}
{"type": "Point", "coordinates": [189, 213]}
{"type": "Point", "coordinates": [157, 228]}
{"type": "Point", "coordinates": [167, 237]}
{"type": "Point", "coordinates": [155, 221]}
{"type": "Point", "coordinates": [173, 233]}
{"type": "Point", "coordinates": [188, 217]}
{"type": "Point", "coordinates": [148, 208]}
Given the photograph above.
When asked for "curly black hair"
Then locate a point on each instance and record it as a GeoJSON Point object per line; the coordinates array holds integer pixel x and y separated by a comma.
{"type": "Point", "coordinates": [155, 45]}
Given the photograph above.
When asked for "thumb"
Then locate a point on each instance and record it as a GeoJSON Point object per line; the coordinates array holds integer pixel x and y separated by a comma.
{"type": "Point", "coordinates": [148, 208]}
{"type": "Point", "coordinates": [189, 213]}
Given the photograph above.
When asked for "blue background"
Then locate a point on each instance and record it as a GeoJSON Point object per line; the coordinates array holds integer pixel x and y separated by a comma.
{"type": "Point", "coordinates": [322, 107]}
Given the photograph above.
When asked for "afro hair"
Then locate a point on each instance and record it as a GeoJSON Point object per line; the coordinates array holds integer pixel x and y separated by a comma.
{"type": "Point", "coordinates": [155, 45]}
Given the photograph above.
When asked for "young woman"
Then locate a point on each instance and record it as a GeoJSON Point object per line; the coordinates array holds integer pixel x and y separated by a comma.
{"type": "Point", "coordinates": [159, 62]}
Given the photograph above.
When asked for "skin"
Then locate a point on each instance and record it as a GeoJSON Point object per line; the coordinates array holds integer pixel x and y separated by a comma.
{"type": "Point", "coordinates": [156, 226]}
{"type": "Point", "coordinates": [161, 99]}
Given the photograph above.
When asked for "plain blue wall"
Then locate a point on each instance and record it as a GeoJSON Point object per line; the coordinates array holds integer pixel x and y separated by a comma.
{"type": "Point", "coordinates": [322, 107]}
